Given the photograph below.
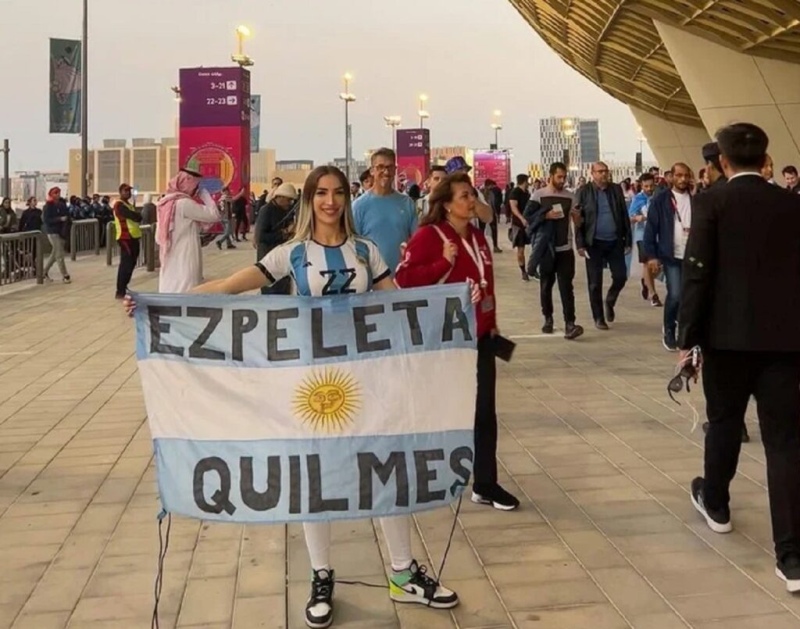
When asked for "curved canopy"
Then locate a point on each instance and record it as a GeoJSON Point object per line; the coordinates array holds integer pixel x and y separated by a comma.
{"type": "Point", "coordinates": [615, 44]}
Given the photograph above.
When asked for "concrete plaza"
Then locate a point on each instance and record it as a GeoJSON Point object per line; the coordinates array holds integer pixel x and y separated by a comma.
{"type": "Point", "coordinates": [606, 537]}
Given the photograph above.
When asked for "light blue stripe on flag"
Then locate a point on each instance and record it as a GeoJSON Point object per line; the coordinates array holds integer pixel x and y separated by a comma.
{"type": "Point", "coordinates": [314, 479]}
{"type": "Point", "coordinates": [280, 331]}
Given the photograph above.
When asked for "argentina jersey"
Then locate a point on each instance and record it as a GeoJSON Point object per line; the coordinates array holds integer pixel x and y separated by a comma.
{"type": "Point", "coordinates": [317, 270]}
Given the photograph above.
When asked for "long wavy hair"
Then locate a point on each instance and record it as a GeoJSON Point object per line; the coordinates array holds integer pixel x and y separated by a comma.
{"type": "Point", "coordinates": [304, 229]}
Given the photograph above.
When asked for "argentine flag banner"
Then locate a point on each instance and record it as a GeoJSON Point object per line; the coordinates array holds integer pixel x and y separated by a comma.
{"type": "Point", "coordinates": [290, 409]}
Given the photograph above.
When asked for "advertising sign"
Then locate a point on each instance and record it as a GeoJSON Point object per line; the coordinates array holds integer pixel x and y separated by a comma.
{"type": "Point", "coordinates": [413, 155]}
{"type": "Point", "coordinates": [66, 97]}
{"type": "Point", "coordinates": [215, 129]}
{"type": "Point", "coordinates": [215, 97]}
{"type": "Point", "coordinates": [219, 155]}
{"type": "Point", "coordinates": [494, 165]}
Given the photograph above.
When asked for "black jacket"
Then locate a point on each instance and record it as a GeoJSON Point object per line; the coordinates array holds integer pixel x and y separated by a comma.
{"type": "Point", "coordinates": [31, 220]}
{"type": "Point", "coordinates": [270, 225]}
{"type": "Point", "coordinates": [586, 200]}
{"type": "Point", "coordinates": [741, 271]}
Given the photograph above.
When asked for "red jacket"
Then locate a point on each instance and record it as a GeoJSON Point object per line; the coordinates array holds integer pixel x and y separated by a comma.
{"type": "Point", "coordinates": [424, 265]}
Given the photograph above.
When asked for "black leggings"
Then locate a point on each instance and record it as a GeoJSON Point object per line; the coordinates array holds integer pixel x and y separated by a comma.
{"type": "Point", "coordinates": [485, 467]}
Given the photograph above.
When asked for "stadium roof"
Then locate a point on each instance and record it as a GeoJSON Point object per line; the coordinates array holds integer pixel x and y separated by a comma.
{"type": "Point", "coordinates": [615, 44]}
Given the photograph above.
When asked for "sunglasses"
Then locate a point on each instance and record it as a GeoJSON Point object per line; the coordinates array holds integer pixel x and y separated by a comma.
{"type": "Point", "coordinates": [683, 378]}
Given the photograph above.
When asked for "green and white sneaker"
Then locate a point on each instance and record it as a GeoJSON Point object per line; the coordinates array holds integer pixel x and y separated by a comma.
{"type": "Point", "coordinates": [415, 586]}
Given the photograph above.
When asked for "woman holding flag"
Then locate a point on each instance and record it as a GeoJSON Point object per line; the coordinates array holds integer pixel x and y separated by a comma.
{"type": "Point", "coordinates": [327, 258]}
{"type": "Point", "coordinates": [447, 248]}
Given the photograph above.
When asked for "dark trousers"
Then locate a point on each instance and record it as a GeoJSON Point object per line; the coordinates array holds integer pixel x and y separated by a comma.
{"type": "Point", "coordinates": [128, 256]}
{"type": "Point", "coordinates": [600, 254]}
{"type": "Point", "coordinates": [241, 227]}
{"type": "Point", "coordinates": [485, 467]}
{"type": "Point", "coordinates": [729, 379]}
{"type": "Point", "coordinates": [673, 273]}
{"type": "Point", "coordinates": [563, 271]}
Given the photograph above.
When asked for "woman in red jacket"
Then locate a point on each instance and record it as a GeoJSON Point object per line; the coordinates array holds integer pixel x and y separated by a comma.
{"type": "Point", "coordinates": [448, 249]}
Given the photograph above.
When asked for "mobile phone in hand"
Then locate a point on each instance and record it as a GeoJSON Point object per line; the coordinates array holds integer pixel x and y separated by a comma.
{"type": "Point", "coordinates": [504, 348]}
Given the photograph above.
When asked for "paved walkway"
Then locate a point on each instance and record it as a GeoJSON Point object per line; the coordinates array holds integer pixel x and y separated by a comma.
{"type": "Point", "coordinates": [606, 537]}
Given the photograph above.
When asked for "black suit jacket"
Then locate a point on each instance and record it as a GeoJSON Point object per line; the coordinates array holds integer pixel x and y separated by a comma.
{"type": "Point", "coordinates": [741, 271]}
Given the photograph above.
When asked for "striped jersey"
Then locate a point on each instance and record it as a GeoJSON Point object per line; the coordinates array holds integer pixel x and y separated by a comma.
{"type": "Point", "coordinates": [317, 270]}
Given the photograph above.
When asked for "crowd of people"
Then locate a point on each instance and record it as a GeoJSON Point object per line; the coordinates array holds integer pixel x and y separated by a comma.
{"type": "Point", "coordinates": [723, 242]}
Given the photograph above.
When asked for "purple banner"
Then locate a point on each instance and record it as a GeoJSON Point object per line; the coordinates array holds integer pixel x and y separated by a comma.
{"type": "Point", "coordinates": [413, 142]}
{"type": "Point", "coordinates": [215, 97]}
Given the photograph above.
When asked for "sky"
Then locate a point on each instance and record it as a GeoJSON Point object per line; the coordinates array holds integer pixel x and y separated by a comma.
{"type": "Point", "coordinates": [470, 57]}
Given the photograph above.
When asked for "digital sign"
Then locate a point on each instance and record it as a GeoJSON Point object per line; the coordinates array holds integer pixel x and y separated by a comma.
{"type": "Point", "coordinates": [413, 155]}
{"type": "Point", "coordinates": [214, 97]}
{"type": "Point", "coordinates": [495, 165]}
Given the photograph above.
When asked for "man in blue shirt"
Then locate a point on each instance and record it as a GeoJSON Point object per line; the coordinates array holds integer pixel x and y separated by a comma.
{"type": "Point", "coordinates": [383, 215]}
{"type": "Point", "coordinates": [638, 213]}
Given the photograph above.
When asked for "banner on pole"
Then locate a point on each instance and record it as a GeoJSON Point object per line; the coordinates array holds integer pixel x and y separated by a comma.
{"type": "Point", "coordinates": [255, 123]}
{"type": "Point", "coordinates": [288, 409]}
{"type": "Point", "coordinates": [66, 98]}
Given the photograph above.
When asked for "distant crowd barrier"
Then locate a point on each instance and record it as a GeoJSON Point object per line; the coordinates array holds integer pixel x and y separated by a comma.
{"type": "Point", "coordinates": [84, 237]}
{"type": "Point", "coordinates": [148, 257]}
{"type": "Point", "coordinates": [22, 257]}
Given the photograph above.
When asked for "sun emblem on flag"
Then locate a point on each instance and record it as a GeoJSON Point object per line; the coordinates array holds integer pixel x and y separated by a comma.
{"type": "Point", "coordinates": [327, 400]}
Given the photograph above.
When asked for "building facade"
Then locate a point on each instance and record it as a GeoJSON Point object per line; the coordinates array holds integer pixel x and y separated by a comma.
{"type": "Point", "coordinates": [686, 68]}
{"type": "Point", "coordinates": [573, 141]}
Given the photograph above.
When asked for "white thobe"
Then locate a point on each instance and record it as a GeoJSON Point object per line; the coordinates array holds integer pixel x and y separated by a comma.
{"type": "Point", "coordinates": [183, 268]}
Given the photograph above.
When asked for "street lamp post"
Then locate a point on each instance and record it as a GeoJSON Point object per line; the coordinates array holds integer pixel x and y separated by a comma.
{"type": "Point", "coordinates": [348, 97]}
{"type": "Point", "coordinates": [85, 101]}
{"type": "Point", "coordinates": [240, 58]}
{"type": "Point", "coordinates": [393, 122]}
{"type": "Point", "coordinates": [423, 113]}
{"type": "Point", "coordinates": [497, 125]}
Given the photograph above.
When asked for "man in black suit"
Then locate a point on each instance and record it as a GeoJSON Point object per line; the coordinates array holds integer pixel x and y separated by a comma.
{"type": "Point", "coordinates": [741, 304]}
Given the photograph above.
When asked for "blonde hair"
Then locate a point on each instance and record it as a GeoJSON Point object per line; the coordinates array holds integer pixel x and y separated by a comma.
{"type": "Point", "coordinates": [304, 229]}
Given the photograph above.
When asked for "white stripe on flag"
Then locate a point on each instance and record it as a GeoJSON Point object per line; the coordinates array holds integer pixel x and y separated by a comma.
{"type": "Point", "coordinates": [411, 393]}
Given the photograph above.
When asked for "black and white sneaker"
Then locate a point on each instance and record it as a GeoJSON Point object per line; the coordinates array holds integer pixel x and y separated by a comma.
{"type": "Point", "coordinates": [788, 571]}
{"type": "Point", "coordinates": [415, 586]}
{"type": "Point", "coordinates": [319, 609]}
{"type": "Point", "coordinates": [495, 496]}
{"type": "Point", "coordinates": [669, 341]}
{"type": "Point", "coordinates": [718, 521]}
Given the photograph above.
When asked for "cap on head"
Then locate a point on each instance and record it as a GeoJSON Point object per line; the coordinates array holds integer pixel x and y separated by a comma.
{"type": "Point", "coordinates": [711, 152]}
{"type": "Point", "coordinates": [456, 164]}
{"type": "Point", "coordinates": [286, 190]}
{"type": "Point", "coordinates": [124, 187]}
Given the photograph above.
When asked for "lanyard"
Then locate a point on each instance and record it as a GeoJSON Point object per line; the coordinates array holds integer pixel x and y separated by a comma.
{"type": "Point", "coordinates": [675, 208]}
{"type": "Point", "coordinates": [475, 253]}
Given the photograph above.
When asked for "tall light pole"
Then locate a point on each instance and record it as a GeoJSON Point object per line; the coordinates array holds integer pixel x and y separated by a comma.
{"type": "Point", "coordinates": [177, 92]}
{"type": "Point", "coordinates": [85, 101]}
{"type": "Point", "coordinates": [569, 131]}
{"type": "Point", "coordinates": [348, 97]}
{"type": "Point", "coordinates": [393, 122]}
{"type": "Point", "coordinates": [497, 125]}
{"type": "Point", "coordinates": [424, 114]}
{"type": "Point", "coordinates": [239, 57]}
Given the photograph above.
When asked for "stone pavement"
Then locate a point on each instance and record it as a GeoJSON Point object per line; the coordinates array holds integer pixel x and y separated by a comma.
{"type": "Point", "coordinates": [606, 537]}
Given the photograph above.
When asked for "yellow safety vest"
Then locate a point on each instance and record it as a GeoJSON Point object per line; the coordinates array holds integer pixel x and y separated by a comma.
{"type": "Point", "coordinates": [130, 227]}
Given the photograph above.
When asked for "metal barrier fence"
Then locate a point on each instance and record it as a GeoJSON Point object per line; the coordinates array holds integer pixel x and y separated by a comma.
{"type": "Point", "coordinates": [22, 257]}
{"type": "Point", "coordinates": [148, 255]}
{"type": "Point", "coordinates": [84, 237]}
